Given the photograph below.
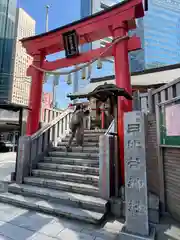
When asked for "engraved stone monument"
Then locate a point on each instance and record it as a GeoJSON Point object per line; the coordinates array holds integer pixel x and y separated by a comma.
{"type": "Point", "coordinates": [136, 197]}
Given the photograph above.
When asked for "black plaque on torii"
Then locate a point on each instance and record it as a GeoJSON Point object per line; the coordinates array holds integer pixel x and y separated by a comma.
{"type": "Point", "coordinates": [71, 43]}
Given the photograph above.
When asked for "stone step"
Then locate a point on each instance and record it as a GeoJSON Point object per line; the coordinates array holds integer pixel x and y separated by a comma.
{"type": "Point", "coordinates": [63, 186]}
{"type": "Point", "coordinates": [87, 137]}
{"type": "Point", "coordinates": [69, 168]}
{"type": "Point", "coordinates": [65, 198]}
{"type": "Point", "coordinates": [49, 207]}
{"type": "Point", "coordinates": [97, 131]}
{"type": "Point", "coordinates": [86, 144]}
{"type": "Point", "coordinates": [86, 140]}
{"type": "Point", "coordinates": [88, 149]}
{"type": "Point", "coordinates": [72, 161]}
{"type": "Point", "coordinates": [74, 155]}
{"type": "Point", "coordinates": [64, 176]}
{"type": "Point", "coordinates": [89, 134]}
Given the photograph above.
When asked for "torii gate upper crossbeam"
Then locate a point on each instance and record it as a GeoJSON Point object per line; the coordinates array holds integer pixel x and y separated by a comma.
{"type": "Point", "coordinates": [133, 44]}
{"type": "Point", "coordinates": [89, 29]}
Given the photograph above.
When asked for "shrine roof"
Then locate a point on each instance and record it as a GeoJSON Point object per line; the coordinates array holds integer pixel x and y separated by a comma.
{"type": "Point", "coordinates": [151, 78]}
{"type": "Point", "coordinates": [102, 92]}
{"type": "Point", "coordinates": [77, 22]}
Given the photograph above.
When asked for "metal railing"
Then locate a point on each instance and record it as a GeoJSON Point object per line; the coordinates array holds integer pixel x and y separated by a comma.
{"type": "Point", "coordinates": [111, 128]}
{"type": "Point", "coordinates": [32, 148]}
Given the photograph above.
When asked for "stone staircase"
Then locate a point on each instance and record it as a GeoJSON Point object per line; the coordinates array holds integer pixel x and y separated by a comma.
{"type": "Point", "coordinates": [64, 183]}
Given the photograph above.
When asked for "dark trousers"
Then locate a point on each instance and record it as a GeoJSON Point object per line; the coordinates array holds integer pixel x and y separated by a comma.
{"type": "Point", "coordinates": [78, 131]}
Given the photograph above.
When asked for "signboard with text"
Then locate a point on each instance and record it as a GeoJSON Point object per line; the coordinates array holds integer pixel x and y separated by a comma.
{"type": "Point", "coordinates": [71, 42]}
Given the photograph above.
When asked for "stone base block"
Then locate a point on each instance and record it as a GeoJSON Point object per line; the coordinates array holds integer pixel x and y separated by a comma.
{"type": "Point", "coordinates": [13, 176]}
{"type": "Point", "coordinates": [3, 186]}
{"type": "Point", "coordinates": [116, 207]}
{"type": "Point", "coordinates": [153, 201]}
{"type": "Point", "coordinates": [153, 216]}
{"type": "Point", "coordinates": [130, 236]}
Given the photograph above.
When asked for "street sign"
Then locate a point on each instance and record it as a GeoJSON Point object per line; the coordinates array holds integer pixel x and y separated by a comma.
{"type": "Point", "coordinates": [71, 42]}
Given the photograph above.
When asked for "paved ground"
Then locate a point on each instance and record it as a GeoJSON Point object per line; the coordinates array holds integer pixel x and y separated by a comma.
{"type": "Point", "coordinates": [7, 165]}
{"type": "Point", "coordinates": [169, 229]}
{"type": "Point", "coordinates": [20, 224]}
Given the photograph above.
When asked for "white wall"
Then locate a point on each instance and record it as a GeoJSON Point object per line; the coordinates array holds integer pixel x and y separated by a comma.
{"type": "Point", "coordinates": [21, 82]}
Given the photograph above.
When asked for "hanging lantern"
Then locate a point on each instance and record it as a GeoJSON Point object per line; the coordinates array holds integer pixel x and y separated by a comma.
{"type": "Point", "coordinates": [83, 73]}
{"type": "Point", "coordinates": [89, 70]}
{"type": "Point", "coordinates": [69, 81]}
{"type": "Point", "coordinates": [99, 64]}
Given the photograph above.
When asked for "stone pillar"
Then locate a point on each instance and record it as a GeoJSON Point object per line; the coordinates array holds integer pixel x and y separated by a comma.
{"type": "Point", "coordinates": [106, 166]}
{"type": "Point", "coordinates": [136, 196]}
{"type": "Point", "coordinates": [23, 159]}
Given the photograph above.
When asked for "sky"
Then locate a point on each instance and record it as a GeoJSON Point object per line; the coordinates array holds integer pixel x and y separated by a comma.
{"type": "Point", "coordinates": [60, 13]}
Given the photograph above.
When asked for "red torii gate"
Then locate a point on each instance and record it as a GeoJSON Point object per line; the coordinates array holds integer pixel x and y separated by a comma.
{"type": "Point", "coordinates": [115, 22]}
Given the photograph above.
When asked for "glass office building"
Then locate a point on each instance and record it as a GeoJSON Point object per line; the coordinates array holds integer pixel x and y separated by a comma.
{"type": "Point", "coordinates": [159, 31]}
{"type": "Point", "coordinates": [162, 33]}
{"type": "Point", "coordinates": [136, 58]}
{"type": "Point", "coordinates": [7, 41]}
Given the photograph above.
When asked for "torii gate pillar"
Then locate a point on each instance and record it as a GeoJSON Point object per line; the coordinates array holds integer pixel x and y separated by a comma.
{"type": "Point", "coordinates": [35, 95]}
{"type": "Point", "coordinates": [123, 81]}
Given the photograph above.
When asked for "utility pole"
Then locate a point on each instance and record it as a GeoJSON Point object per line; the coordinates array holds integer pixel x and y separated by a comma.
{"type": "Point", "coordinates": [47, 18]}
{"type": "Point", "coordinates": [53, 82]}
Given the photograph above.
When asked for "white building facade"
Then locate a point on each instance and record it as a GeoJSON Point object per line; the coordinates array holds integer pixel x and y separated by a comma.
{"type": "Point", "coordinates": [21, 82]}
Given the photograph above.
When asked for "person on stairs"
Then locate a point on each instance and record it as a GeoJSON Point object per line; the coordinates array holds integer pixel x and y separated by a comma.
{"type": "Point", "coordinates": [77, 126]}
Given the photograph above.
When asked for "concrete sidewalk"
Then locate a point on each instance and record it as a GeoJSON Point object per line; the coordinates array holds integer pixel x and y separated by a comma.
{"type": "Point", "coordinates": [168, 229]}
{"type": "Point", "coordinates": [20, 224]}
